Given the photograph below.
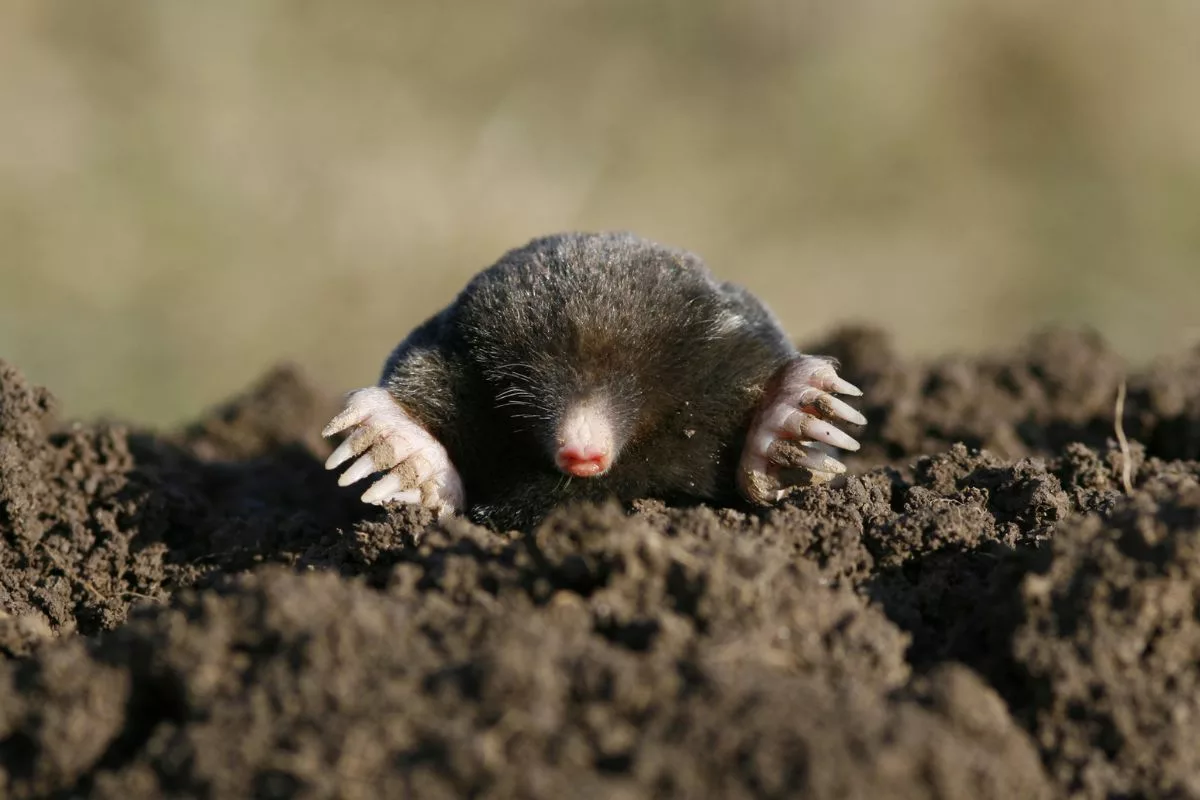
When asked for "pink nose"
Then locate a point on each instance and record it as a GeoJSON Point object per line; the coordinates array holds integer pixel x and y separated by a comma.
{"type": "Point", "coordinates": [583, 462]}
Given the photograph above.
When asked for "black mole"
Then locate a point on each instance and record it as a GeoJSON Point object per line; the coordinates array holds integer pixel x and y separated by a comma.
{"type": "Point", "coordinates": [587, 366]}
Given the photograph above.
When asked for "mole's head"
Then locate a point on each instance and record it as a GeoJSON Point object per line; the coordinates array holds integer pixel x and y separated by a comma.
{"type": "Point", "coordinates": [587, 342]}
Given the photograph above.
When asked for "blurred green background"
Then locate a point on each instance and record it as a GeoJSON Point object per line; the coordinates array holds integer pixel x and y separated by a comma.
{"type": "Point", "coordinates": [190, 192]}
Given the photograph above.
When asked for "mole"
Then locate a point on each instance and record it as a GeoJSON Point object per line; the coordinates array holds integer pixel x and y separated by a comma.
{"type": "Point", "coordinates": [587, 366]}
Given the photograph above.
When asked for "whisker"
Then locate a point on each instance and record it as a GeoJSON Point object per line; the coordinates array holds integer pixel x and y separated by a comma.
{"type": "Point", "coordinates": [514, 391]}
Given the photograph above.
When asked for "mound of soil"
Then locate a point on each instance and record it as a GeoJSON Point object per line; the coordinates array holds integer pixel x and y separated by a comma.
{"type": "Point", "coordinates": [981, 610]}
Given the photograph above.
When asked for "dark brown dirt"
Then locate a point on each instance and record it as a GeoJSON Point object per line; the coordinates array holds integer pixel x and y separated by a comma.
{"type": "Point", "coordinates": [205, 613]}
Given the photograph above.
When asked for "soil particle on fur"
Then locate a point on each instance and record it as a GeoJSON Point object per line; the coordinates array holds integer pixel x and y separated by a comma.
{"type": "Point", "coordinates": [979, 610]}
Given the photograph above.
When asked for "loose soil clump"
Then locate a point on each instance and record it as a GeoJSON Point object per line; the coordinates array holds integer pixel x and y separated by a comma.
{"type": "Point", "coordinates": [979, 610]}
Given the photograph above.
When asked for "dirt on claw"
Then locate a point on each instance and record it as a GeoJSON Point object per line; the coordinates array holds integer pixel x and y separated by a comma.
{"type": "Point", "coordinates": [977, 610]}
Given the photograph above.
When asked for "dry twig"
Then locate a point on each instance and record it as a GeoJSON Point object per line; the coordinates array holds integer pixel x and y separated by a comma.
{"type": "Point", "coordinates": [1119, 426]}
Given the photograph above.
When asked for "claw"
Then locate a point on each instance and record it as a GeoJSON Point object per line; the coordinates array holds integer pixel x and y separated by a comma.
{"type": "Point", "coordinates": [805, 426]}
{"type": "Point", "coordinates": [820, 462]}
{"type": "Point", "coordinates": [839, 386]}
{"type": "Point", "coordinates": [830, 406]}
{"type": "Point", "coordinates": [823, 462]}
{"type": "Point", "coordinates": [358, 470]}
{"type": "Point", "coordinates": [388, 487]}
{"type": "Point", "coordinates": [342, 452]}
{"type": "Point", "coordinates": [792, 455]}
{"type": "Point", "coordinates": [356, 444]}
{"type": "Point", "coordinates": [353, 414]}
{"type": "Point", "coordinates": [408, 496]}
{"type": "Point", "coordinates": [417, 469]}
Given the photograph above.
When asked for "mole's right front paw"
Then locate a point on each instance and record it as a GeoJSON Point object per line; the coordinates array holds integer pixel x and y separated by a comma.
{"type": "Point", "coordinates": [415, 466]}
{"type": "Point", "coordinates": [796, 416]}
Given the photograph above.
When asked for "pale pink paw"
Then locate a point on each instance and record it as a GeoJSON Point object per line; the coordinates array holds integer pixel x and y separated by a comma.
{"type": "Point", "coordinates": [794, 419]}
{"type": "Point", "coordinates": [416, 468]}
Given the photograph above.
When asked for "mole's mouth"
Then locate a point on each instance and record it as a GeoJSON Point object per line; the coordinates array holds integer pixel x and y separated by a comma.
{"type": "Point", "coordinates": [587, 464]}
{"type": "Point", "coordinates": [586, 444]}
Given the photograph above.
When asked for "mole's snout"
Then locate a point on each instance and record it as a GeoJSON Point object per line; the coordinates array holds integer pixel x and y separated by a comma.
{"type": "Point", "coordinates": [586, 444]}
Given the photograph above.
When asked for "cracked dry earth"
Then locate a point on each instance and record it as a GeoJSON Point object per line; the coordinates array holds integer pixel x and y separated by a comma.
{"type": "Point", "coordinates": [979, 611]}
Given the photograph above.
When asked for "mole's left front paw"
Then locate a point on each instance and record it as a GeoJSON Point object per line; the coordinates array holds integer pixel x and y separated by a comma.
{"type": "Point", "coordinates": [793, 416]}
{"type": "Point", "coordinates": [416, 468]}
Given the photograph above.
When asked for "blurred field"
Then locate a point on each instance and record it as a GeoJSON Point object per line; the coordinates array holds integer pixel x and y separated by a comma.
{"type": "Point", "coordinates": [190, 192]}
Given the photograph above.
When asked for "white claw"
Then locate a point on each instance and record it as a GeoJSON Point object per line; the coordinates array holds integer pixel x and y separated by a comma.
{"type": "Point", "coordinates": [822, 462]}
{"type": "Point", "coordinates": [796, 455]}
{"type": "Point", "coordinates": [360, 469]}
{"type": "Point", "coordinates": [345, 451]}
{"type": "Point", "coordinates": [353, 414]}
{"type": "Point", "coordinates": [408, 496]}
{"type": "Point", "coordinates": [821, 431]}
{"type": "Point", "coordinates": [840, 409]}
{"type": "Point", "coordinates": [417, 469]}
{"type": "Point", "coordinates": [839, 386]}
{"type": "Point", "coordinates": [388, 486]}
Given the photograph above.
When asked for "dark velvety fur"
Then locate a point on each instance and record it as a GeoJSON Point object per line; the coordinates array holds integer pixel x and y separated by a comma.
{"type": "Point", "coordinates": [642, 325]}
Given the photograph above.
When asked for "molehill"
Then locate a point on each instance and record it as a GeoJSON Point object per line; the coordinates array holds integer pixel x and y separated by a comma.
{"type": "Point", "coordinates": [980, 610]}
